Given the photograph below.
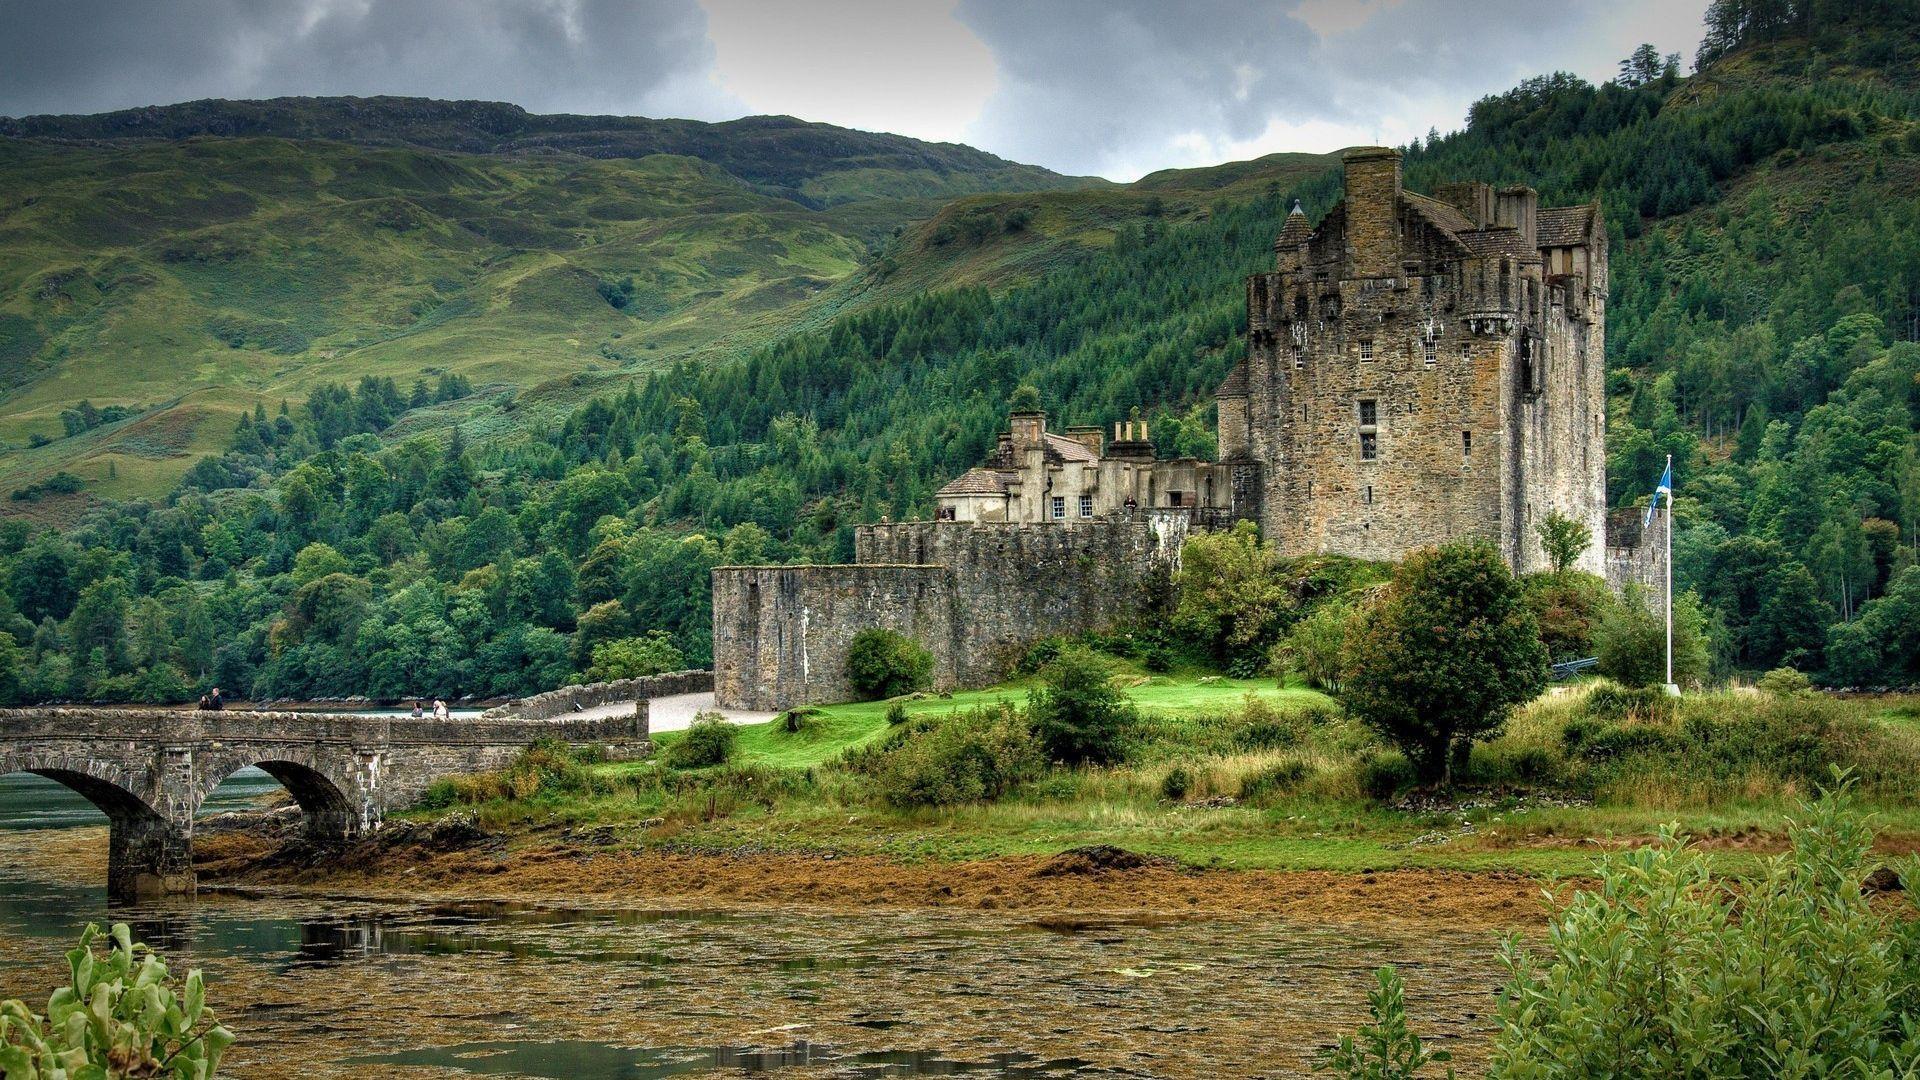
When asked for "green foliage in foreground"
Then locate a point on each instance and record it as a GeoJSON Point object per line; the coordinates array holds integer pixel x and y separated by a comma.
{"type": "Point", "coordinates": [1385, 1049]}
{"type": "Point", "coordinates": [121, 1015]}
{"type": "Point", "coordinates": [709, 741]}
{"type": "Point", "coordinates": [1078, 715]}
{"type": "Point", "coordinates": [884, 664]}
{"type": "Point", "coordinates": [1666, 971]}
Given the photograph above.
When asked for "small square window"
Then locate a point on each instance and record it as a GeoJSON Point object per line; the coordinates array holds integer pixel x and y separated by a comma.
{"type": "Point", "coordinates": [1369, 447]}
{"type": "Point", "coordinates": [1059, 507]}
{"type": "Point", "coordinates": [1086, 506]}
{"type": "Point", "coordinates": [1466, 444]}
{"type": "Point", "coordinates": [947, 513]}
{"type": "Point", "coordinates": [1466, 351]}
{"type": "Point", "coordinates": [1366, 349]}
{"type": "Point", "coordinates": [1432, 353]}
{"type": "Point", "coordinates": [1369, 412]}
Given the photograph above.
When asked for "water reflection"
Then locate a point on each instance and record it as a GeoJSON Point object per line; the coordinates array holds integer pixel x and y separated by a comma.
{"type": "Point", "coordinates": [566, 1059]}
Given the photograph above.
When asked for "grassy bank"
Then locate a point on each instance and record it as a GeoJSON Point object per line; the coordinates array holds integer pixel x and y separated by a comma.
{"type": "Point", "coordinates": [1255, 774]}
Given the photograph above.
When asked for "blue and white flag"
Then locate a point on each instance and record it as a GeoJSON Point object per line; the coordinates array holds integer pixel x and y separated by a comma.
{"type": "Point", "coordinates": [1665, 488]}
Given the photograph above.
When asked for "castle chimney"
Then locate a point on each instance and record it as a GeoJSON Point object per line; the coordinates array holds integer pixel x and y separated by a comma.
{"type": "Point", "coordinates": [1373, 211]}
{"type": "Point", "coordinates": [1087, 435]}
{"type": "Point", "coordinates": [1518, 207]}
{"type": "Point", "coordinates": [1029, 428]}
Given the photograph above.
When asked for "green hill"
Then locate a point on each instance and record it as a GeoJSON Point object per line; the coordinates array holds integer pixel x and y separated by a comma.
{"type": "Point", "coordinates": [196, 260]}
{"type": "Point", "coordinates": [1762, 329]}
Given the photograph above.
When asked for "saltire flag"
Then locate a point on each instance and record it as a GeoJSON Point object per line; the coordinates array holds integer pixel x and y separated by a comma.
{"type": "Point", "coordinates": [1665, 488]}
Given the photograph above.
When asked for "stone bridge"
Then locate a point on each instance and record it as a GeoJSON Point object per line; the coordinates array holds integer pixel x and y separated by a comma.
{"type": "Point", "coordinates": [149, 770]}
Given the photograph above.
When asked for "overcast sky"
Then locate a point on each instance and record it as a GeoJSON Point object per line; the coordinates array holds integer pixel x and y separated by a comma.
{"type": "Point", "coordinates": [1112, 87]}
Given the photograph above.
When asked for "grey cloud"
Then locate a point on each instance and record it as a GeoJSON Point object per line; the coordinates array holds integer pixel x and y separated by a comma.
{"type": "Point", "coordinates": [1086, 83]}
{"type": "Point", "coordinates": [649, 57]}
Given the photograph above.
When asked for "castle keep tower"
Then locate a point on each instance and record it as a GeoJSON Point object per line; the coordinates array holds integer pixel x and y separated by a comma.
{"type": "Point", "coordinates": [1425, 369]}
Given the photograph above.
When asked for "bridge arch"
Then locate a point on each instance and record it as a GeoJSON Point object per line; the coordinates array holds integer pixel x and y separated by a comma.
{"type": "Point", "coordinates": [148, 853]}
{"type": "Point", "coordinates": [327, 799]}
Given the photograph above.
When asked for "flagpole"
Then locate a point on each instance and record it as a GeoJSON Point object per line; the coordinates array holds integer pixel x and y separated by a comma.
{"type": "Point", "coordinates": [1671, 688]}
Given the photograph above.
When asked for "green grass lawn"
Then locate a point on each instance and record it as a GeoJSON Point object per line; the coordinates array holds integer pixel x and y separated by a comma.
{"type": "Point", "coordinates": [834, 729]}
{"type": "Point", "coordinates": [780, 792]}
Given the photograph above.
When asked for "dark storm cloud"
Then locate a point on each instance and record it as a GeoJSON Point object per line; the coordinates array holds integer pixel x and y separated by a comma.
{"type": "Point", "coordinates": [650, 56]}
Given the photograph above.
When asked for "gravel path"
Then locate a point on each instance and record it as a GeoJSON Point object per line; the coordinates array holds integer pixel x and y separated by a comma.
{"type": "Point", "coordinates": [673, 713]}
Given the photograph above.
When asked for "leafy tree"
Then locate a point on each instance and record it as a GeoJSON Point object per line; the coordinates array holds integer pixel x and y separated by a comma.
{"type": "Point", "coordinates": [882, 664]}
{"type": "Point", "coordinates": [1230, 596]}
{"type": "Point", "coordinates": [1564, 539]}
{"type": "Point", "coordinates": [1386, 1048]}
{"type": "Point", "coordinates": [1631, 642]}
{"type": "Point", "coordinates": [1444, 655]}
{"type": "Point", "coordinates": [1078, 714]}
{"type": "Point", "coordinates": [634, 657]}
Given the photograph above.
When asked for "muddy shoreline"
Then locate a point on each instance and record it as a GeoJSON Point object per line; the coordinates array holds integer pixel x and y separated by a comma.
{"type": "Point", "coordinates": [454, 861]}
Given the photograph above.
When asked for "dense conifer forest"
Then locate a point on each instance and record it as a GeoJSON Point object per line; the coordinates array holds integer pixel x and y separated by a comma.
{"type": "Point", "coordinates": [1764, 329]}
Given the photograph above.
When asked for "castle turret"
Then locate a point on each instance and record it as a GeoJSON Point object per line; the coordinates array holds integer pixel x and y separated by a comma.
{"type": "Point", "coordinates": [1290, 250]}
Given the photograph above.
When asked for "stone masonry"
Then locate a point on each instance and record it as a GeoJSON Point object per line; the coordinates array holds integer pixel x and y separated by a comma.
{"type": "Point", "coordinates": [973, 594]}
{"type": "Point", "coordinates": [1425, 369]}
{"type": "Point", "coordinates": [149, 770]}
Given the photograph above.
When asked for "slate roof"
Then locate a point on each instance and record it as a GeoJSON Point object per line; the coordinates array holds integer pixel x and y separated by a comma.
{"type": "Point", "coordinates": [1236, 382]}
{"type": "Point", "coordinates": [1447, 218]}
{"type": "Point", "coordinates": [1563, 226]}
{"type": "Point", "coordinates": [1069, 449]}
{"type": "Point", "coordinates": [976, 482]}
{"type": "Point", "coordinates": [1505, 241]}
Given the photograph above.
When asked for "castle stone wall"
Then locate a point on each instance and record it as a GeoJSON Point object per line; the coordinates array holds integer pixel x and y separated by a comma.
{"type": "Point", "coordinates": [973, 593]}
{"type": "Point", "coordinates": [780, 633]}
{"type": "Point", "coordinates": [1635, 553]}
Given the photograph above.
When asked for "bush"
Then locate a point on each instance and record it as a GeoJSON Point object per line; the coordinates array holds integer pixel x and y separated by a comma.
{"type": "Point", "coordinates": [1385, 1049]}
{"type": "Point", "coordinates": [1665, 971]}
{"type": "Point", "coordinates": [1630, 641]}
{"type": "Point", "coordinates": [1316, 648]}
{"type": "Point", "coordinates": [547, 769]}
{"type": "Point", "coordinates": [968, 757]}
{"type": "Point", "coordinates": [1176, 784]}
{"type": "Point", "coordinates": [883, 664]}
{"type": "Point", "coordinates": [120, 1016]}
{"type": "Point", "coordinates": [1275, 780]}
{"type": "Point", "coordinates": [1662, 969]}
{"type": "Point", "coordinates": [1260, 725]}
{"type": "Point", "coordinates": [1078, 714]}
{"type": "Point", "coordinates": [709, 741]}
{"type": "Point", "coordinates": [1784, 682]}
{"type": "Point", "coordinates": [896, 714]}
{"type": "Point", "coordinates": [1611, 701]}
{"type": "Point", "coordinates": [1384, 775]}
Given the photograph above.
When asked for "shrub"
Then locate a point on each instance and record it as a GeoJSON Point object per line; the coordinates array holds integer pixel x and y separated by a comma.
{"type": "Point", "coordinates": [1385, 1049]}
{"type": "Point", "coordinates": [1275, 780]}
{"type": "Point", "coordinates": [1611, 701]}
{"type": "Point", "coordinates": [1662, 969]}
{"type": "Point", "coordinates": [709, 741]}
{"type": "Point", "coordinates": [968, 757]}
{"type": "Point", "coordinates": [547, 769]}
{"type": "Point", "coordinates": [1384, 775]}
{"type": "Point", "coordinates": [1665, 971]}
{"type": "Point", "coordinates": [1784, 682]}
{"type": "Point", "coordinates": [1176, 784]}
{"type": "Point", "coordinates": [1078, 714]}
{"type": "Point", "coordinates": [1316, 648]}
{"type": "Point", "coordinates": [884, 664]}
{"type": "Point", "coordinates": [1442, 658]}
{"type": "Point", "coordinates": [122, 1015]}
{"type": "Point", "coordinates": [1568, 607]}
{"type": "Point", "coordinates": [1260, 725]}
{"type": "Point", "coordinates": [896, 714]}
{"type": "Point", "coordinates": [1630, 641]}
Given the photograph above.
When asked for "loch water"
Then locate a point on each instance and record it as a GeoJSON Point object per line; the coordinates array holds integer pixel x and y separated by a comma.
{"type": "Point", "coordinates": [343, 987]}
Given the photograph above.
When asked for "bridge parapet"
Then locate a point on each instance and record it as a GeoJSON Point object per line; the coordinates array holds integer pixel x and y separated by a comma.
{"type": "Point", "coordinates": [149, 770]}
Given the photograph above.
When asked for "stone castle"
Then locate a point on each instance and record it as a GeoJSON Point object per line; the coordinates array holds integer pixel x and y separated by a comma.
{"type": "Point", "coordinates": [1419, 369]}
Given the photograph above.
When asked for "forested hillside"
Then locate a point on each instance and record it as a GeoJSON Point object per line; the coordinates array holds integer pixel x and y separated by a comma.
{"type": "Point", "coordinates": [183, 264]}
{"type": "Point", "coordinates": [1766, 301]}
